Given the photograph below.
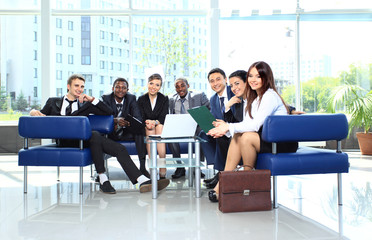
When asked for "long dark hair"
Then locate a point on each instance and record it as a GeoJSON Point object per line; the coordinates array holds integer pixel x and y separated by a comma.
{"type": "Point", "coordinates": [267, 78]}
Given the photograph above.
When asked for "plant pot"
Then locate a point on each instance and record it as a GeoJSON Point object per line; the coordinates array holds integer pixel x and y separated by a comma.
{"type": "Point", "coordinates": [365, 143]}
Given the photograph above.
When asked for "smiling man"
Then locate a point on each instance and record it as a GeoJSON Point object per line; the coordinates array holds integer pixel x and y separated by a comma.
{"type": "Point", "coordinates": [179, 103]}
{"type": "Point", "coordinates": [123, 103]}
{"type": "Point", "coordinates": [215, 149]}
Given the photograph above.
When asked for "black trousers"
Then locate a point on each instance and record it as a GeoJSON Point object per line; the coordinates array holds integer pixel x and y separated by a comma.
{"type": "Point", "coordinates": [127, 135]}
{"type": "Point", "coordinates": [99, 145]}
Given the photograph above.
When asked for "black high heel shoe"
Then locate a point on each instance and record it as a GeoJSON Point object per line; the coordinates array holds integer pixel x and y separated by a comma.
{"type": "Point", "coordinates": [212, 196]}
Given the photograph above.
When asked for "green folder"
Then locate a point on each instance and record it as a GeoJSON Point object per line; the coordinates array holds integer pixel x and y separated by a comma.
{"type": "Point", "coordinates": [203, 117]}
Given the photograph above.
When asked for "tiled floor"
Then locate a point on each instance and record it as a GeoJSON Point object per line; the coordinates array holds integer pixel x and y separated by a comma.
{"type": "Point", "coordinates": [51, 210]}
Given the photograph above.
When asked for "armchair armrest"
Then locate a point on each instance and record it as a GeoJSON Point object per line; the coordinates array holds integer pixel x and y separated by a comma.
{"type": "Point", "coordinates": [102, 123]}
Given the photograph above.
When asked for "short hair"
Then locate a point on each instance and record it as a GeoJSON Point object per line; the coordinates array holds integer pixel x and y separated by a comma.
{"type": "Point", "coordinates": [120, 80]}
{"type": "Point", "coordinates": [181, 79]}
{"type": "Point", "coordinates": [156, 76]}
{"type": "Point", "coordinates": [75, 76]}
{"type": "Point", "coordinates": [217, 70]}
{"type": "Point", "coordinates": [242, 74]}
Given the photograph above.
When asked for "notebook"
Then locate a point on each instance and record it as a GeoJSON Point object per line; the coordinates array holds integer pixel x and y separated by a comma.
{"type": "Point", "coordinates": [136, 126]}
{"type": "Point", "coordinates": [178, 126]}
{"type": "Point", "coordinates": [203, 117]}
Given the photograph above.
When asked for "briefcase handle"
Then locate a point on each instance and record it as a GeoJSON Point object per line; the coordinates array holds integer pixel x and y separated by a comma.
{"type": "Point", "coordinates": [240, 166]}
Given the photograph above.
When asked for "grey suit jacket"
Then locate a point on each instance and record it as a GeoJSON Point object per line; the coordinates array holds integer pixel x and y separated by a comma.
{"type": "Point", "coordinates": [195, 100]}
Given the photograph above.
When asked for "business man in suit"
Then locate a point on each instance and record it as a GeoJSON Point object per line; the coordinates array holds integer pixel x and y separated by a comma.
{"type": "Point", "coordinates": [123, 103]}
{"type": "Point", "coordinates": [179, 103]}
{"type": "Point", "coordinates": [76, 103]}
{"type": "Point", "coordinates": [215, 149]}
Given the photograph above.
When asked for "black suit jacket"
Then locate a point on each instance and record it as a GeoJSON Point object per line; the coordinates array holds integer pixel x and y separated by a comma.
{"type": "Point", "coordinates": [53, 107]}
{"type": "Point", "coordinates": [130, 105]}
{"type": "Point", "coordinates": [160, 109]}
{"type": "Point", "coordinates": [237, 115]}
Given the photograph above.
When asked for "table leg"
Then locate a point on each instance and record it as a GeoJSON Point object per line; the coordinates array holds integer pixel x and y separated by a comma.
{"type": "Point", "coordinates": [197, 169]}
{"type": "Point", "coordinates": [190, 164]}
{"type": "Point", "coordinates": [154, 170]}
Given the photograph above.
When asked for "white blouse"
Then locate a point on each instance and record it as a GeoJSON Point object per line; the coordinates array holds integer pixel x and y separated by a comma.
{"type": "Point", "coordinates": [271, 104]}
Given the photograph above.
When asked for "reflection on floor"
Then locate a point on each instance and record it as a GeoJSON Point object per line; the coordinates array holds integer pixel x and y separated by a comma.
{"type": "Point", "coordinates": [54, 210]}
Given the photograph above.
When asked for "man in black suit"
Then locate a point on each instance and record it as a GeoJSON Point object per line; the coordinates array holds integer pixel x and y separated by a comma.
{"type": "Point", "coordinates": [123, 103]}
{"type": "Point", "coordinates": [76, 103]}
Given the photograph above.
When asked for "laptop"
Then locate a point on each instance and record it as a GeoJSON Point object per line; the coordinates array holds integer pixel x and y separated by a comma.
{"type": "Point", "coordinates": [178, 126]}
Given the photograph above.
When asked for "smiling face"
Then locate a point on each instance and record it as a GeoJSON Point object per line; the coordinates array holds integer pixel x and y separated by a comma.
{"type": "Point", "coordinates": [154, 86]}
{"type": "Point", "coordinates": [217, 82]}
{"type": "Point", "coordinates": [120, 90]}
{"type": "Point", "coordinates": [237, 86]}
{"type": "Point", "coordinates": [181, 88]}
{"type": "Point", "coordinates": [255, 80]}
{"type": "Point", "coordinates": [75, 89]}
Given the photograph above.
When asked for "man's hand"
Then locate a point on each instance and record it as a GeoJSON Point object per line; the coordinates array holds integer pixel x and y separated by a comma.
{"type": "Point", "coordinates": [35, 112]}
{"type": "Point", "coordinates": [122, 122]}
{"type": "Point", "coordinates": [85, 98]}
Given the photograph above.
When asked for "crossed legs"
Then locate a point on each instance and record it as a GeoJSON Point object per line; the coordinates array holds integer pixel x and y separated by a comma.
{"type": "Point", "coordinates": [243, 145]}
{"type": "Point", "coordinates": [161, 148]}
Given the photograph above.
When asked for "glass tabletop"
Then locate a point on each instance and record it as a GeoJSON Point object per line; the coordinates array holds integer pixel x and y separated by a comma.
{"type": "Point", "coordinates": [158, 139]}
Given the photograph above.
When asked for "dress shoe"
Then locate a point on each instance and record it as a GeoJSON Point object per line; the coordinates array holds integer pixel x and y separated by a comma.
{"type": "Point", "coordinates": [147, 186]}
{"type": "Point", "coordinates": [163, 183]}
{"type": "Point", "coordinates": [212, 184]}
{"type": "Point", "coordinates": [180, 172]}
{"type": "Point", "coordinates": [211, 179]}
{"type": "Point", "coordinates": [107, 188]}
{"type": "Point", "coordinates": [212, 196]}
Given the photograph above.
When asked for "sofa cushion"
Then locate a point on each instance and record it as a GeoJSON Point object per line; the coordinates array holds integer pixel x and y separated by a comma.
{"type": "Point", "coordinates": [51, 155]}
{"type": "Point", "coordinates": [306, 160]}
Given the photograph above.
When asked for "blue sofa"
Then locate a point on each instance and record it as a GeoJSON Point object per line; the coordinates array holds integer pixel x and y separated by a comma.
{"type": "Point", "coordinates": [307, 160]}
{"type": "Point", "coordinates": [276, 129]}
{"type": "Point", "coordinates": [58, 127]}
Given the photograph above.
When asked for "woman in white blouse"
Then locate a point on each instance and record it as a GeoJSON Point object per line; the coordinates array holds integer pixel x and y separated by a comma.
{"type": "Point", "coordinates": [262, 100]}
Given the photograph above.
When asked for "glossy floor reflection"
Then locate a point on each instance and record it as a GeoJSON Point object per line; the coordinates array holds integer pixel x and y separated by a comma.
{"type": "Point", "coordinates": [51, 210]}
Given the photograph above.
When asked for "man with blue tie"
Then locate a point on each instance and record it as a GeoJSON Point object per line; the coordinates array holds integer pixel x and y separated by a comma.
{"type": "Point", "coordinates": [215, 150]}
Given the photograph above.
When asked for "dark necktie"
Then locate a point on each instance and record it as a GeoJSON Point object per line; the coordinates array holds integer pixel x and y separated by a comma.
{"type": "Point", "coordinates": [183, 110]}
{"type": "Point", "coordinates": [119, 107]}
{"type": "Point", "coordinates": [222, 106]}
{"type": "Point", "coordinates": [69, 107]}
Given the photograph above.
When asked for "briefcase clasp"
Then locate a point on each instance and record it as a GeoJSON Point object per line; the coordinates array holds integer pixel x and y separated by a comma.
{"type": "Point", "coordinates": [246, 192]}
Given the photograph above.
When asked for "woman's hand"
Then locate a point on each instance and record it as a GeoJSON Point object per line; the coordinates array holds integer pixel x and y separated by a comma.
{"type": "Point", "coordinates": [232, 101]}
{"type": "Point", "coordinates": [221, 128]}
{"type": "Point", "coordinates": [150, 124]}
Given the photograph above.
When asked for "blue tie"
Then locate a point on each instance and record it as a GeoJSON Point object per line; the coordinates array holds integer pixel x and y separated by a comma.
{"type": "Point", "coordinates": [222, 104]}
{"type": "Point", "coordinates": [183, 110]}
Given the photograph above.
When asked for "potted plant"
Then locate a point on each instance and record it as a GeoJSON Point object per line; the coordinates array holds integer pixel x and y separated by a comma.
{"type": "Point", "coordinates": [357, 103]}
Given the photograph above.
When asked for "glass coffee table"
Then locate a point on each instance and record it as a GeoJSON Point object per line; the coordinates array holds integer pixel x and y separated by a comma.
{"type": "Point", "coordinates": [192, 161]}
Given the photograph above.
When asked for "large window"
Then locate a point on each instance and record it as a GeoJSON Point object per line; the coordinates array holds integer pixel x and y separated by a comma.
{"type": "Point", "coordinates": [309, 54]}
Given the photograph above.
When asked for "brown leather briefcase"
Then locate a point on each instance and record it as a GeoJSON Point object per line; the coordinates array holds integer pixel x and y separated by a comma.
{"type": "Point", "coordinates": [241, 191]}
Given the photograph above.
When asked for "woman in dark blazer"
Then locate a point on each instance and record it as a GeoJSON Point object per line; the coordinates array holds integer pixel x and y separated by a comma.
{"type": "Point", "coordinates": [154, 107]}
